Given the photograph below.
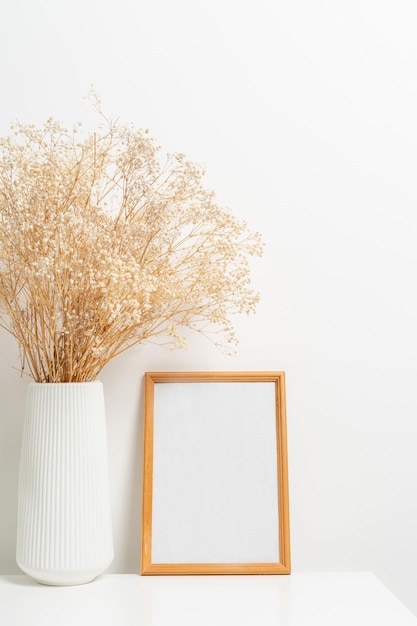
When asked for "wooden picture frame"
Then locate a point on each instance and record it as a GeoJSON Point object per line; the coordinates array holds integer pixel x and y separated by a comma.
{"type": "Point", "coordinates": [215, 474]}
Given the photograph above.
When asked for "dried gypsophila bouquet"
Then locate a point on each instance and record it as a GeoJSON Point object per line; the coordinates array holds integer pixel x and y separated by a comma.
{"type": "Point", "coordinates": [104, 246]}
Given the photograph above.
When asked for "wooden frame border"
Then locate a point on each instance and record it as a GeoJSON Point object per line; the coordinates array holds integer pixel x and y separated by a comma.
{"type": "Point", "coordinates": [281, 567]}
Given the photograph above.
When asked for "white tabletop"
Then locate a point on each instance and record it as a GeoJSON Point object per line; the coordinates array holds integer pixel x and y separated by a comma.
{"type": "Point", "coordinates": [308, 599]}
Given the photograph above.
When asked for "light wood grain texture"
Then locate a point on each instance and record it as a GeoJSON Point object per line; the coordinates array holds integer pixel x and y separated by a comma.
{"type": "Point", "coordinates": [283, 566]}
{"type": "Point", "coordinates": [147, 473]}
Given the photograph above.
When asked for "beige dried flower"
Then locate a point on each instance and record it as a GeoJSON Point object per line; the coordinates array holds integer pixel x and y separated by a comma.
{"type": "Point", "coordinates": [103, 246]}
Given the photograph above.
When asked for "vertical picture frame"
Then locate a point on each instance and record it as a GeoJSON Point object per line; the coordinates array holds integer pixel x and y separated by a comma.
{"type": "Point", "coordinates": [215, 474]}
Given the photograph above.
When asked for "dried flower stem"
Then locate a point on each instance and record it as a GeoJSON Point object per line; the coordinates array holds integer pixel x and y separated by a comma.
{"type": "Point", "coordinates": [103, 246]}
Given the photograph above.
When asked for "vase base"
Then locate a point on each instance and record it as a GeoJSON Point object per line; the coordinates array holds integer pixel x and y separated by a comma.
{"type": "Point", "coordinates": [64, 578]}
{"type": "Point", "coordinates": [64, 583]}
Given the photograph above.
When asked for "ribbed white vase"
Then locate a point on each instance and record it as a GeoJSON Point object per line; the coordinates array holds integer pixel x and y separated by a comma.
{"type": "Point", "coordinates": [64, 534]}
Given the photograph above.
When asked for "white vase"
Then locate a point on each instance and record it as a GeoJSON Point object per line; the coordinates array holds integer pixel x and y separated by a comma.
{"type": "Point", "coordinates": [64, 534]}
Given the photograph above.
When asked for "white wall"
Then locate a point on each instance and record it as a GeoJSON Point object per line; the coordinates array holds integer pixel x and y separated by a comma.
{"type": "Point", "coordinates": [304, 114]}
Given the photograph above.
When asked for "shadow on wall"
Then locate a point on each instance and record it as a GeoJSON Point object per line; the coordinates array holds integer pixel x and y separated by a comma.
{"type": "Point", "coordinates": [12, 406]}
